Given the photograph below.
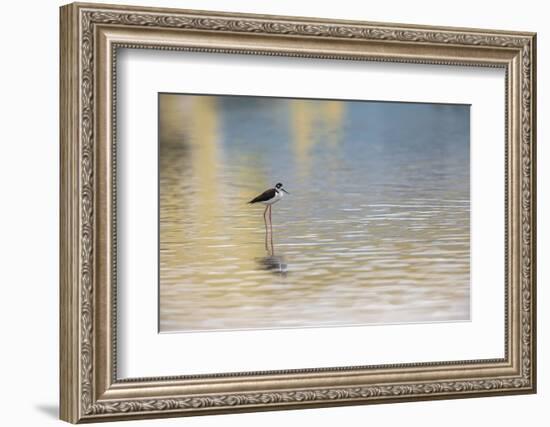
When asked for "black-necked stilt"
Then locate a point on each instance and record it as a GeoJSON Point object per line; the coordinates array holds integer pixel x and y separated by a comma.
{"type": "Point", "coordinates": [268, 198]}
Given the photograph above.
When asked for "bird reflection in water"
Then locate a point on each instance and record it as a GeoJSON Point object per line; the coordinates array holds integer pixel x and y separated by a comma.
{"type": "Point", "coordinates": [274, 264]}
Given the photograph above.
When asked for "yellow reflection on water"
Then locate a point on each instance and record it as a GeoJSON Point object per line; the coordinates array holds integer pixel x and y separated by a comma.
{"type": "Point", "coordinates": [206, 154]}
{"type": "Point", "coordinates": [302, 116]}
{"type": "Point", "coordinates": [305, 116]}
{"type": "Point", "coordinates": [332, 114]}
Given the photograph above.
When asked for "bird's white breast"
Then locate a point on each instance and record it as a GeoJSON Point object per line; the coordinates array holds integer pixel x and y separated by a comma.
{"type": "Point", "coordinates": [278, 196]}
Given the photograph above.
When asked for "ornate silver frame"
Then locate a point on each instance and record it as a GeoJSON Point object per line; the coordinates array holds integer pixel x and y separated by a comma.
{"type": "Point", "coordinates": [90, 36]}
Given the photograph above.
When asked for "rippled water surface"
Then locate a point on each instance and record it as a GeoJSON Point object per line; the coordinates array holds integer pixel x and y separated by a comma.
{"type": "Point", "coordinates": [375, 230]}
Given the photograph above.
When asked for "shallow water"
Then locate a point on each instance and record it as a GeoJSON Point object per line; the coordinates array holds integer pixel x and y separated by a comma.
{"type": "Point", "coordinates": [375, 230]}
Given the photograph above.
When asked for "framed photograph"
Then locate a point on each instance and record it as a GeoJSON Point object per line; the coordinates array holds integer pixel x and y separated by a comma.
{"type": "Point", "coordinates": [266, 212]}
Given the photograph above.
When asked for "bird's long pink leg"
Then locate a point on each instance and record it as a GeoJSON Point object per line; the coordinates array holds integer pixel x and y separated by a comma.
{"type": "Point", "coordinates": [271, 234]}
{"type": "Point", "coordinates": [265, 222]}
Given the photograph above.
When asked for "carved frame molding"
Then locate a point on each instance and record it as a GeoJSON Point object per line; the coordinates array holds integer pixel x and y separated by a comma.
{"type": "Point", "coordinates": [90, 37]}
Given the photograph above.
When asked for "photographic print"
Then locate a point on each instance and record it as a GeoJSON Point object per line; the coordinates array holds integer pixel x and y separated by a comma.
{"type": "Point", "coordinates": [292, 213]}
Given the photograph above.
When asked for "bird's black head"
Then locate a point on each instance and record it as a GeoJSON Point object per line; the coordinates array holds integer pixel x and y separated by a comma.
{"type": "Point", "coordinates": [279, 186]}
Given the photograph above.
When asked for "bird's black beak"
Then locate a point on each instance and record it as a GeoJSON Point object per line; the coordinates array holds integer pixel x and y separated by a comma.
{"type": "Point", "coordinates": [285, 191]}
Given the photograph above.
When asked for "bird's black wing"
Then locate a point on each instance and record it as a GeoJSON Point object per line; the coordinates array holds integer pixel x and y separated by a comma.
{"type": "Point", "coordinates": [266, 195]}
